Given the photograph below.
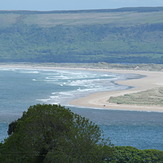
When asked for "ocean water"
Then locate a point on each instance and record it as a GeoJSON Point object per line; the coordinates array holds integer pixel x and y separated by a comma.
{"type": "Point", "coordinates": [21, 88]}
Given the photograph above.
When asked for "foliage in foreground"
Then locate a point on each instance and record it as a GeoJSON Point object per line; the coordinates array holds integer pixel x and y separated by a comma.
{"type": "Point", "coordinates": [51, 133]}
{"type": "Point", "coordinates": [133, 155]}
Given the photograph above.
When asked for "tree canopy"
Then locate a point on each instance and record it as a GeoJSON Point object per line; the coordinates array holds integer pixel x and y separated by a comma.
{"type": "Point", "coordinates": [51, 133]}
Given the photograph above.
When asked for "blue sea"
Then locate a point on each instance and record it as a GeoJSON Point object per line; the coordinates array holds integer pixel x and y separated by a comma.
{"type": "Point", "coordinates": [21, 88]}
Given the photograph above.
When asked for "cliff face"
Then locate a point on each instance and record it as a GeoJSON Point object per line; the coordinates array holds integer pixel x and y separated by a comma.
{"type": "Point", "coordinates": [127, 35]}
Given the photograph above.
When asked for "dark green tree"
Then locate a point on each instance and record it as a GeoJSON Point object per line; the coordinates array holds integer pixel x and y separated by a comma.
{"type": "Point", "coordinates": [51, 133]}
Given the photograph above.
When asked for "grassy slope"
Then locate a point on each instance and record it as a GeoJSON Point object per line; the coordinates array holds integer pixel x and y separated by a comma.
{"type": "Point", "coordinates": [132, 35]}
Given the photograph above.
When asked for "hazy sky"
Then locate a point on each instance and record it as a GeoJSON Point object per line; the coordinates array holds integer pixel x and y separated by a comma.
{"type": "Point", "coordinates": [47, 5]}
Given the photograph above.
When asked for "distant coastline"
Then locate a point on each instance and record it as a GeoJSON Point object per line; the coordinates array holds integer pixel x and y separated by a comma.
{"type": "Point", "coordinates": [152, 80]}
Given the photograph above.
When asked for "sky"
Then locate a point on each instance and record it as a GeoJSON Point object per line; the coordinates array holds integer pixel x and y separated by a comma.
{"type": "Point", "coordinates": [49, 5]}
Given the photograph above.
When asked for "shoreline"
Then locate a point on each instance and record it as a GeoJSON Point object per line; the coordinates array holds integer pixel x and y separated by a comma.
{"type": "Point", "coordinates": [152, 79]}
{"type": "Point", "coordinates": [99, 100]}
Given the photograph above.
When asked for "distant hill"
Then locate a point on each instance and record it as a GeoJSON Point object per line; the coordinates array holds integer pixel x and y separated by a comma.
{"type": "Point", "coordinates": [125, 35]}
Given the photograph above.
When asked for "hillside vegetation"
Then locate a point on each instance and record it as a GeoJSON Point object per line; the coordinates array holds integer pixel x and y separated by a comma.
{"type": "Point", "coordinates": [127, 35]}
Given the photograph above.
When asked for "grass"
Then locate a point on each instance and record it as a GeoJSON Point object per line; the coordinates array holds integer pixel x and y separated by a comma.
{"type": "Point", "coordinates": [149, 97]}
{"type": "Point", "coordinates": [113, 18]}
{"type": "Point", "coordinates": [119, 19]}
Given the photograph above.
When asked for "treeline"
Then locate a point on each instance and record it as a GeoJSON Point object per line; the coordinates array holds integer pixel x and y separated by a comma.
{"type": "Point", "coordinates": [87, 43]}
{"type": "Point", "coordinates": [52, 133]}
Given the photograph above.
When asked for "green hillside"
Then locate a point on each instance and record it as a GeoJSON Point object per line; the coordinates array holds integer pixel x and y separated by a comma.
{"type": "Point", "coordinates": [127, 35]}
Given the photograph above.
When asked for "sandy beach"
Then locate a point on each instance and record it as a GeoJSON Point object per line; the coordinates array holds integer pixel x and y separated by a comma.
{"type": "Point", "coordinates": [151, 80]}
{"type": "Point", "coordinates": [99, 100]}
